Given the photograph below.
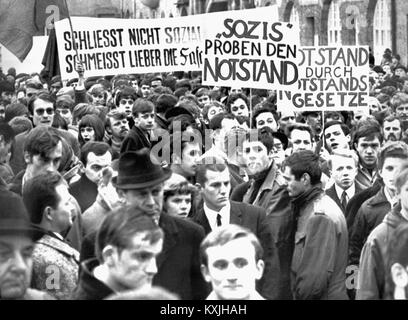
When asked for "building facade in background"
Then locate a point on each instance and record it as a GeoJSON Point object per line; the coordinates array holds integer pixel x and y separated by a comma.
{"type": "Point", "coordinates": [379, 24]}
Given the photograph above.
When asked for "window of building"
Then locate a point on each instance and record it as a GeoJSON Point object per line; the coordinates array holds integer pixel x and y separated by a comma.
{"type": "Point", "coordinates": [334, 24]}
{"type": "Point", "coordinates": [382, 28]}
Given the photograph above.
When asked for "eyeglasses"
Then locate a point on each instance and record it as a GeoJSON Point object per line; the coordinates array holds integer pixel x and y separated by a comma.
{"type": "Point", "coordinates": [40, 112]}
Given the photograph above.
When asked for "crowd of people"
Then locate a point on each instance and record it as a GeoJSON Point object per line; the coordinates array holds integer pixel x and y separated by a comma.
{"type": "Point", "coordinates": [156, 186]}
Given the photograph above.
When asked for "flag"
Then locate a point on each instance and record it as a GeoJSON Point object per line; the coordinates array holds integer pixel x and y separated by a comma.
{"type": "Point", "coordinates": [50, 59]}
{"type": "Point", "coordinates": [20, 20]}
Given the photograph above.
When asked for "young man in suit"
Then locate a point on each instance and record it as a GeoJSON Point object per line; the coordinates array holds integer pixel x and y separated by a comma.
{"type": "Point", "coordinates": [213, 179]}
{"type": "Point", "coordinates": [140, 183]}
{"type": "Point", "coordinates": [343, 166]}
{"type": "Point", "coordinates": [231, 260]}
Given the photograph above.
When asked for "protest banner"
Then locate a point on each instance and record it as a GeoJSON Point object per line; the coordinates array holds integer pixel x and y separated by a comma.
{"type": "Point", "coordinates": [114, 46]}
{"type": "Point", "coordinates": [250, 49]}
{"type": "Point", "coordinates": [330, 79]}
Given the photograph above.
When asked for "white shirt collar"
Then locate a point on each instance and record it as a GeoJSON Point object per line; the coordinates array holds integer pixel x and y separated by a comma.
{"type": "Point", "coordinates": [212, 215]}
{"type": "Point", "coordinates": [351, 191]}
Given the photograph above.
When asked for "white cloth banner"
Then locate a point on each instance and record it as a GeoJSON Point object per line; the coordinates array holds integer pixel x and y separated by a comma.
{"type": "Point", "coordinates": [116, 46]}
{"type": "Point", "coordinates": [251, 49]}
{"type": "Point", "coordinates": [330, 79]}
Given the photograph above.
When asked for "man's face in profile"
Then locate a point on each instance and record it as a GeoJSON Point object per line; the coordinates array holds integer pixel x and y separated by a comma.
{"type": "Point", "coordinates": [232, 269]}
{"type": "Point", "coordinates": [15, 265]}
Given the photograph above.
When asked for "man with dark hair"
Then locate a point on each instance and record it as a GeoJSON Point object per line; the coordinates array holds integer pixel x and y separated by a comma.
{"type": "Point", "coordinates": [321, 240]}
{"type": "Point", "coordinates": [185, 155]}
{"type": "Point", "coordinates": [238, 104]}
{"type": "Point", "coordinates": [126, 245]}
{"type": "Point", "coordinates": [213, 179]}
{"type": "Point", "coordinates": [125, 99]}
{"type": "Point", "coordinates": [140, 182]}
{"type": "Point", "coordinates": [372, 271]}
{"type": "Point", "coordinates": [145, 88]}
{"type": "Point", "coordinates": [42, 153]}
{"type": "Point", "coordinates": [301, 137]}
{"type": "Point", "coordinates": [117, 127]}
{"type": "Point", "coordinates": [336, 136]}
{"type": "Point", "coordinates": [265, 117]}
{"type": "Point", "coordinates": [95, 156]}
{"type": "Point", "coordinates": [392, 128]}
{"type": "Point", "coordinates": [391, 158]}
{"type": "Point", "coordinates": [231, 260]}
{"type": "Point", "coordinates": [49, 205]}
{"type": "Point", "coordinates": [367, 140]}
{"type": "Point", "coordinates": [42, 111]}
{"type": "Point", "coordinates": [203, 97]}
{"type": "Point", "coordinates": [266, 189]}
{"type": "Point", "coordinates": [164, 103]}
{"type": "Point", "coordinates": [144, 118]}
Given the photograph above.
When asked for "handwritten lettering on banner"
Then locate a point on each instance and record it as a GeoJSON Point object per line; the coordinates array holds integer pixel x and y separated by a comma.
{"type": "Point", "coordinates": [114, 46]}
{"type": "Point", "coordinates": [330, 78]}
{"type": "Point", "coordinates": [251, 49]}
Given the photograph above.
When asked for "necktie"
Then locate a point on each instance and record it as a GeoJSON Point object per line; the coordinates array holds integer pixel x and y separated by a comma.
{"type": "Point", "coordinates": [218, 220]}
{"type": "Point", "coordinates": [344, 200]}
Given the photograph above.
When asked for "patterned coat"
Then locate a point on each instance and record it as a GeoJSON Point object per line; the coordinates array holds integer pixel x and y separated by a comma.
{"type": "Point", "coordinates": [55, 267]}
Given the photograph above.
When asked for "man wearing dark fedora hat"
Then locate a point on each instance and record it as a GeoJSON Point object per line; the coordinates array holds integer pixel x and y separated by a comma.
{"type": "Point", "coordinates": [140, 183]}
{"type": "Point", "coordinates": [17, 237]}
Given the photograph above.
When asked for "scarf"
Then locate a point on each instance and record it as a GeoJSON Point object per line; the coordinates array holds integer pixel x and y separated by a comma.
{"type": "Point", "coordinates": [304, 198]}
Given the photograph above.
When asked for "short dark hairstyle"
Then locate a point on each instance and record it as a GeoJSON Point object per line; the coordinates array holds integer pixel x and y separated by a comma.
{"type": "Point", "coordinates": [165, 102]}
{"type": "Point", "coordinates": [264, 136]}
{"type": "Point", "coordinates": [392, 149]}
{"type": "Point", "coordinates": [97, 147]}
{"type": "Point", "coordinates": [125, 92]}
{"type": "Point", "coordinates": [45, 96]}
{"type": "Point", "coordinates": [233, 97]}
{"type": "Point", "coordinates": [368, 129]}
{"type": "Point", "coordinates": [216, 121]}
{"type": "Point", "coordinates": [305, 161]}
{"type": "Point", "coordinates": [391, 118]}
{"type": "Point", "coordinates": [121, 225]}
{"type": "Point", "coordinates": [263, 109]}
{"type": "Point", "coordinates": [225, 234]}
{"type": "Point", "coordinates": [91, 120]}
{"type": "Point", "coordinates": [141, 106]}
{"type": "Point", "coordinates": [14, 110]}
{"type": "Point", "coordinates": [343, 127]}
{"type": "Point", "coordinates": [82, 109]}
{"type": "Point", "coordinates": [39, 193]}
{"type": "Point", "coordinates": [41, 141]}
{"type": "Point", "coordinates": [6, 132]}
{"type": "Point", "coordinates": [301, 127]}
{"type": "Point", "coordinates": [208, 164]}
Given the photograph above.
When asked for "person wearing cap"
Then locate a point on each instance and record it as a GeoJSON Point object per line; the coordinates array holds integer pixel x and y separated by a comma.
{"type": "Point", "coordinates": [49, 205]}
{"type": "Point", "coordinates": [127, 247]}
{"type": "Point", "coordinates": [17, 238]}
{"type": "Point", "coordinates": [156, 81]}
{"type": "Point", "coordinates": [140, 183]}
